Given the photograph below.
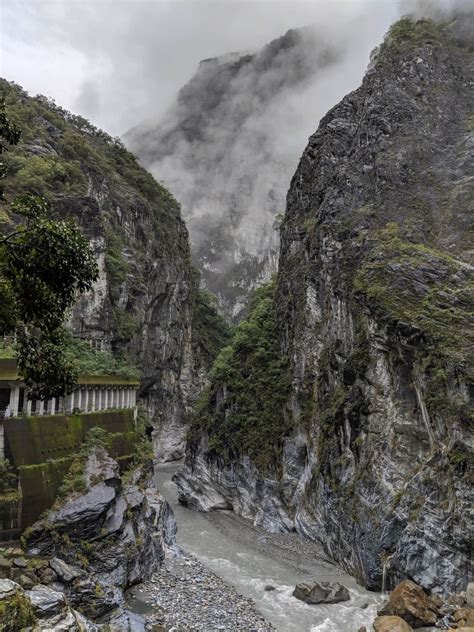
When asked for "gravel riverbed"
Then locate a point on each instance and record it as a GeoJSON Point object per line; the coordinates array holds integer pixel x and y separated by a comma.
{"type": "Point", "coordinates": [185, 595]}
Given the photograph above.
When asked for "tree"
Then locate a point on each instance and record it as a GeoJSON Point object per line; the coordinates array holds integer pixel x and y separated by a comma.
{"type": "Point", "coordinates": [44, 263]}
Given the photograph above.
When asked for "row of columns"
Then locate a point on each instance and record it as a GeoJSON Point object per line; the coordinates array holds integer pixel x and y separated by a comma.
{"type": "Point", "coordinates": [84, 398]}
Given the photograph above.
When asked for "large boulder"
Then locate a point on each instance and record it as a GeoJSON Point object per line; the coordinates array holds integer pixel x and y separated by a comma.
{"type": "Point", "coordinates": [315, 592]}
{"type": "Point", "coordinates": [410, 602]}
{"type": "Point", "coordinates": [391, 624]}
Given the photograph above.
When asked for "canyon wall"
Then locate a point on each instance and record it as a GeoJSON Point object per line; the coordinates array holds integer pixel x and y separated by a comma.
{"type": "Point", "coordinates": [370, 449]}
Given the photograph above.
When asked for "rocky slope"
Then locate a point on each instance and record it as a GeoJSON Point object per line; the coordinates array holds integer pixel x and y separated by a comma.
{"type": "Point", "coordinates": [97, 542]}
{"type": "Point", "coordinates": [370, 451]}
{"type": "Point", "coordinates": [227, 149]}
{"type": "Point", "coordinates": [146, 307]}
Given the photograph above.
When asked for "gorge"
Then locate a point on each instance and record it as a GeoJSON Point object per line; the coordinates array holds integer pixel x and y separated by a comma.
{"type": "Point", "coordinates": [326, 428]}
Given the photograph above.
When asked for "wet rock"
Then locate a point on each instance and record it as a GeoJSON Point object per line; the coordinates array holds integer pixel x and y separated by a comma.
{"type": "Point", "coordinates": [269, 588]}
{"type": "Point", "coordinates": [321, 592]}
{"type": "Point", "coordinates": [391, 624]}
{"type": "Point", "coordinates": [410, 602]}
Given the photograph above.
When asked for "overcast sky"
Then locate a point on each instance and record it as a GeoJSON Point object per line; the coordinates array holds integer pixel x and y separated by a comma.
{"type": "Point", "coordinates": [119, 62]}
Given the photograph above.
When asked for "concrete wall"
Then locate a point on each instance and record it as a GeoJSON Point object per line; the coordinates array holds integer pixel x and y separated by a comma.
{"type": "Point", "coordinates": [42, 450]}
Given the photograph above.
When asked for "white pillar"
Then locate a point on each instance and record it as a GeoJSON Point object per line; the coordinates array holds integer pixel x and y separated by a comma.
{"type": "Point", "coordinates": [86, 404]}
{"type": "Point", "coordinates": [41, 407]}
{"type": "Point", "coordinates": [127, 401]}
{"type": "Point", "coordinates": [134, 398]}
{"type": "Point", "coordinates": [106, 394]}
{"type": "Point", "coordinates": [2, 441]}
{"type": "Point", "coordinates": [79, 399]}
{"type": "Point", "coordinates": [14, 400]}
{"type": "Point", "coordinates": [122, 391]}
{"type": "Point", "coordinates": [69, 403]}
{"type": "Point", "coordinates": [53, 406]}
{"type": "Point", "coordinates": [28, 407]}
{"type": "Point", "coordinates": [94, 391]}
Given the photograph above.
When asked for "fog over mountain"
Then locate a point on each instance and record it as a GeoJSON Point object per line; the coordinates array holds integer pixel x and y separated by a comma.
{"type": "Point", "coordinates": [229, 144]}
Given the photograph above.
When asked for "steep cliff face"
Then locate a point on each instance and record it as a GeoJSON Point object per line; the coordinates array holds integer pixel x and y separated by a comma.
{"type": "Point", "coordinates": [374, 313]}
{"type": "Point", "coordinates": [227, 150]}
{"type": "Point", "coordinates": [142, 307]}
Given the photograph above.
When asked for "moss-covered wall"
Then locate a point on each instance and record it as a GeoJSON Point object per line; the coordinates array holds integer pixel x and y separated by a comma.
{"type": "Point", "coordinates": [42, 450]}
{"type": "Point", "coordinates": [34, 440]}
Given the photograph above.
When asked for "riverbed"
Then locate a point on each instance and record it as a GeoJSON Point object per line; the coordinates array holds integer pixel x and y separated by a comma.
{"type": "Point", "coordinates": [253, 560]}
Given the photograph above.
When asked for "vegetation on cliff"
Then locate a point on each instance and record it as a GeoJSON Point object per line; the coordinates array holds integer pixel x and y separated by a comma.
{"type": "Point", "coordinates": [44, 263]}
{"type": "Point", "coordinates": [242, 410]}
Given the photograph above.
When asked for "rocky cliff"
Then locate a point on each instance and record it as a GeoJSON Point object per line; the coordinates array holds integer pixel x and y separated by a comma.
{"type": "Point", "coordinates": [146, 308]}
{"type": "Point", "coordinates": [369, 449]}
{"type": "Point", "coordinates": [227, 149]}
{"type": "Point", "coordinates": [104, 534]}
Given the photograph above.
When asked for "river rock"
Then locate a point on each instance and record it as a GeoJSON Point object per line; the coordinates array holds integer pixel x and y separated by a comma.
{"type": "Point", "coordinates": [391, 624]}
{"type": "Point", "coordinates": [410, 602]}
{"type": "Point", "coordinates": [315, 592]}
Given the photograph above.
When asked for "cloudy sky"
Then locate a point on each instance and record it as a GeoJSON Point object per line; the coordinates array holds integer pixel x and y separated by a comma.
{"type": "Point", "coordinates": [119, 62]}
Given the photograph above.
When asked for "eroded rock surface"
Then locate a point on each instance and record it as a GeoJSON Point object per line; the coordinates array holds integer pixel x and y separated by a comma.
{"type": "Point", "coordinates": [106, 539]}
{"type": "Point", "coordinates": [373, 303]}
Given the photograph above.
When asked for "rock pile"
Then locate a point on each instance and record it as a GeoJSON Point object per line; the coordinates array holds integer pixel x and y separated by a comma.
{"type": "Point", "coordinates": [409, 607]}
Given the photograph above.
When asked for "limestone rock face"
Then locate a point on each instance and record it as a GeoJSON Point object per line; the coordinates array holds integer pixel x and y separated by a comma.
{"type": "Point", "coordinates": [391, 624]}
{"type": "Point", "coordinates": [315, 592]}
{"type": "Point", "coordinates": [373, 303]}
{"type": "Point", "coordinates": [142, 302]}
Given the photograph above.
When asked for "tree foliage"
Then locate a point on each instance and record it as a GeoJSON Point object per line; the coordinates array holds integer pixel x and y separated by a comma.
{"type": "Point", "coordinates": [44, 263]}
{"type": "Point", "coordinates": [243, 409]}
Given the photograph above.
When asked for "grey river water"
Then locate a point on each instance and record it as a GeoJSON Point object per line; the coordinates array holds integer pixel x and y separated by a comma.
{"type": "Point", "coordinates": [250, 559]}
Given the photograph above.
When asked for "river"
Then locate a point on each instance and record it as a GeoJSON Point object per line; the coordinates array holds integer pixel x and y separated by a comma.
{"type": "Point", "coordinates": [251, 559]}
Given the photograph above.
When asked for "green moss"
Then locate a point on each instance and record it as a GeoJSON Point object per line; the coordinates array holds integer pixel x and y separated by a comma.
{"type": "Point", "coordinates": [16, 613]}
{"type": "Point", "coordinates": [210, 331]}
{"type": "Point", "coordinates": [441, 306]}
{"type": "Point", "coordinates": [243, 409]}
{"type": "Point", "coordinates": [408, 33]}
{"type": "Point", "coordinates": [470, 123]}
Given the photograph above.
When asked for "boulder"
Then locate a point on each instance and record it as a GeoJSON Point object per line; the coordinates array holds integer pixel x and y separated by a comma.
{"type": "Point", "coordinates": [7, 588]}
{"type": "Point", "coordinates": [315, 592]}
{"type": "Point", "coordinates": [470, 595]}
{"type": "Point", "coordinates": [464, 617]}
{"type": "Point", "coordinates": [391, 624]}
{"type": "Point", "coordinates": [410, 602]}
{"type": "Point", "coordinates": [46, 601]}
{"type": "Point", "coordinates": [65, 572]}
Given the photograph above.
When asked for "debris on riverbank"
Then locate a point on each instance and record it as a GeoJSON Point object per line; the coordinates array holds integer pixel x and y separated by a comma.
{"type": "Point", "coordinates": [185, 595]}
